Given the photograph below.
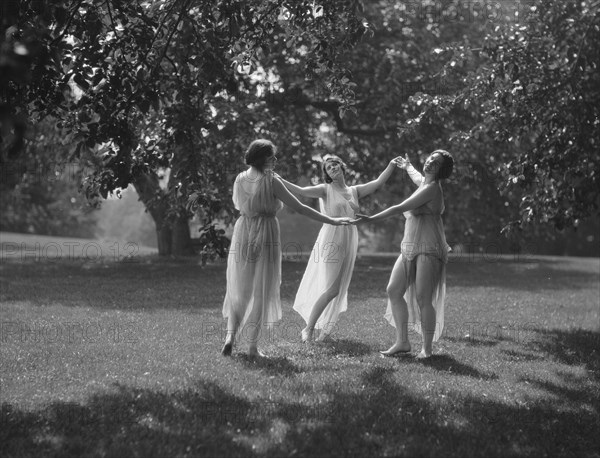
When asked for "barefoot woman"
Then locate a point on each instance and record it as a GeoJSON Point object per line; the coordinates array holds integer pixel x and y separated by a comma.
{"type": "Point", "coordinates": [323, 291]}
{"type": "Point", "coordinates": [417, 286]}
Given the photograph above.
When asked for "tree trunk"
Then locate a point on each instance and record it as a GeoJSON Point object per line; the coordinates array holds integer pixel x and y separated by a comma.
{"type": "Point", "coordinates": [147, 187]}
{"type": "Point", "coordinates": [174, 238]}
{"type": "Point", "coordinates": [163, 235]}
{"type": "Point", "coordinates": [181, 240]}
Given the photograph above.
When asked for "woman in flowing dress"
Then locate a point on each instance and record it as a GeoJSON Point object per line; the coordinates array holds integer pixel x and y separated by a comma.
{"type": "Point", "coordinates": [252, 300]}
{"type": "Point", "coordinates": [323, 291]}
{"type": "Point", "coordinates": [417, 286]}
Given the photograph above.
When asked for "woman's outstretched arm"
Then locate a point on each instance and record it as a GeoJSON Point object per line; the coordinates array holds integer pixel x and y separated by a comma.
{"type": "Point", "coordinates": [282, 193]}
{"type": "Point", "coordinates": [418, 198]}
{"type": "Point", "coordinates": [316, 192]}
{"type": "Point", "coordinates": [368, 188]}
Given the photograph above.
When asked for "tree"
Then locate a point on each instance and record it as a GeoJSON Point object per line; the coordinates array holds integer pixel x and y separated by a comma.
{"type": "Point", "coordinates": [535, 87]}
{"type": "Point", "coordinates": [161, 88]}
{"type": "Point", "coordinates": [400, 59]}
{"type": "Point", "coordinates": [176, 88]}
{"type": "Point", "coordinates": [427, 78]}
{"type": "Point", "coordinates": [40, 193]}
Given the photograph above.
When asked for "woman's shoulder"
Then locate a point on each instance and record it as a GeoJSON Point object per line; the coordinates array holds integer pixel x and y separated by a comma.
{"type": "Point", "coordinates": [433, 187]}
{"type": "Point", "coordinates": [353, 192]}
{"type": "Point", "coordinates": [241, 176]}
{"type": "Point", "coordinates": [249, 176]}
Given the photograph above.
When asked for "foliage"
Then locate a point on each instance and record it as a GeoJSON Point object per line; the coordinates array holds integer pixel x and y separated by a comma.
{"type": "Point", "coordinates": [423, 82]}
{"type": "Point", "coordinates": [165, 95]}
{"type": "Point", "coordinates": [144, 88]}
{"type": "Point", "coordinates": [40, 192]}
{"type": "Point", "coordinates": [401, 58]}
{"type": "Point", "coordinates": [213, 243]}
{"type": "Point", "coordinates": [535, 88]}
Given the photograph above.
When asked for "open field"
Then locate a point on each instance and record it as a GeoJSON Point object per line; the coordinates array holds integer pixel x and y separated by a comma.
{"type": "Point", "coordinates": [121, 358]}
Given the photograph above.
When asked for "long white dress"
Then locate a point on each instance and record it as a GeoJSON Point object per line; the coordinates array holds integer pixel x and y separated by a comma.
{"type": "Point", "coordinates": [254, 259]}
{"type": "Point", "coordinates": [424, 237]}
{"type": "Point", "coordinates": [332, 258]}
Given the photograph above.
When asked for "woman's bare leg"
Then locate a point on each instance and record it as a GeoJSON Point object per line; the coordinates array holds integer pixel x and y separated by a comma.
{"type": "Point", "coordinates": [232, 326]}
{"type": "Point", "coordinates": [428, 274]}
{"type": "Point", "coordinates": [318, 308]}
{"type": "Point", "coordinates": [395, 289]}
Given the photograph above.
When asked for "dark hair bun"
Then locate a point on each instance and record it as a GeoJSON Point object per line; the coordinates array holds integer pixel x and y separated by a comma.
{"type": "Point", "coordinates": [257, 153]}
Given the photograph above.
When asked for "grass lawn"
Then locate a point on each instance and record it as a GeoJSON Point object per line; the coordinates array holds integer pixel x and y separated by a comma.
{"type": "Point", "coordinates": [122, 359]}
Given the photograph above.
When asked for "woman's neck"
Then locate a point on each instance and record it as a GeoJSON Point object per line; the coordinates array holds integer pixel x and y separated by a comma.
{"type": "Point", "coordinates": [429, 178]}
{"type": "Point", "coordinates": [339, 183]}
{"type": "Point", "coordinates": [254, 171]}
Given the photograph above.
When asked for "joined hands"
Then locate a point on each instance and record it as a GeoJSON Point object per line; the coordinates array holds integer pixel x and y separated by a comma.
{"type": "Point", "coordinates": [360, 218]}
{"type": "Point", "coordinates": [402, 162]}
{"type": "Point", "coordinates": [346, 221]}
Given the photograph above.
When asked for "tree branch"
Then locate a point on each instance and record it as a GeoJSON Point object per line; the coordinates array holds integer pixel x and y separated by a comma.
{"type": "Point", "coordinates": [59, 37]}
{"type": "Point", "coordinates": [112, 21]}
{"type": "Point", "coordinates": [173, 64]}
{"type": "Point", "coordinates": [158, 29]}
{"type": "Point", "coordinates": [330, 106]}
{"type": "Point", "coordinates": [164, 52]}
{"type": "Point", "coordinates": [582, 42]}
{"type": "Point", "coordinates": [166, 47]}
{"type": "Point", "coordinates": [260, 19]}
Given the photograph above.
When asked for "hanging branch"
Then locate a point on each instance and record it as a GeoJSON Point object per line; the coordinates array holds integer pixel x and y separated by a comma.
{"type": "Point", "coordinates": [112, 21]}
{"type": "Point", "coordinates": [62, 34]}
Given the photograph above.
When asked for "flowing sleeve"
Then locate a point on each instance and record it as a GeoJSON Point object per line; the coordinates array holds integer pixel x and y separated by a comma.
{"type": "Point", "coordinates": [236, 193]}
{"type": "Point", "coordinates": [355, 205]}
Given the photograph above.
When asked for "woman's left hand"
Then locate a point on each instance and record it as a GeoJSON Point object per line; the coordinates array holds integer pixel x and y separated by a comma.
{"type": "Point", "coordinates": [342, 221]}
{"type": "Point", "coordinates": [401, 162]}
{"type": "Point", "coordinates": [360, 219]}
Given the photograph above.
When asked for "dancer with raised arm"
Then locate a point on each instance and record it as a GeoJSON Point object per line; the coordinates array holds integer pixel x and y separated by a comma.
{"type": "Point", "coordinates": [252, 300]}
{"type": "Point", "coordinates": [323, 291]}
{"type": "Point", "coordinates": [417, 286]}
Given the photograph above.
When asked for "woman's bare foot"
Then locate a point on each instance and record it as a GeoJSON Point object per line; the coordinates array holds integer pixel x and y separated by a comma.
{"type": "Point", "coordinates": [396, 349]}
{"type": "Point", "coordinates": [323, 337]}
{"type": "Point", "coordinates": [307, 334]}
{"type": "Point", "coordinates": [254, 353]}
{"type": "Point", "coordinates": [227, 348]}
{"type": "Point", "coordinates": [424, 355]}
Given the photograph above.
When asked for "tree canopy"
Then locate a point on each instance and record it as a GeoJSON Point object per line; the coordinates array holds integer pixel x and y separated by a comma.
{"type": "Point", "coordinates": [534, 86]}
{"type": "Point", "coordinates": [148, 89]}
{"type": "Point", "coordinates": [165, 95]}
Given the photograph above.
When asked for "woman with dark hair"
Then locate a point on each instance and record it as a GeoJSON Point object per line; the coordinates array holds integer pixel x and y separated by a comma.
{"type": "Point", "coordinates": [252, 300]}
{"type": "Point", "coordinates": [323, 291]}
{"type": "Point", "coordinates": [417, 287]}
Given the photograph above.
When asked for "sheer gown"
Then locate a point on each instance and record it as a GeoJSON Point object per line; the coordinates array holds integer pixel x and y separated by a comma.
{"type": "Point", "coordinates": [424, 236]}
{"type": "Point", "coordinates": [332, 258]}
{"type": "Point", "coordinates": [254, 260]}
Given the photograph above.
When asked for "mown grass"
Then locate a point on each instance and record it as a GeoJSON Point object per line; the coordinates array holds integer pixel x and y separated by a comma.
{"type": "Point", "coordinates": [122, 359]}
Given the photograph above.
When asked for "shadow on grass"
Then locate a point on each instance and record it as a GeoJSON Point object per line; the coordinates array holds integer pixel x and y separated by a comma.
{"type": "Point", "coordinates": [271, 365]}
{"type": "Point", "coordinates": [573, 347]}
{"type": "Point", "coordinates": [447, 363]}
{"type": "Point", "coordinates": [133, 422]}
{"type": "Point", "coordinates": [384, 418]}
{"type": "Point", "coordinates": [387, 418]}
